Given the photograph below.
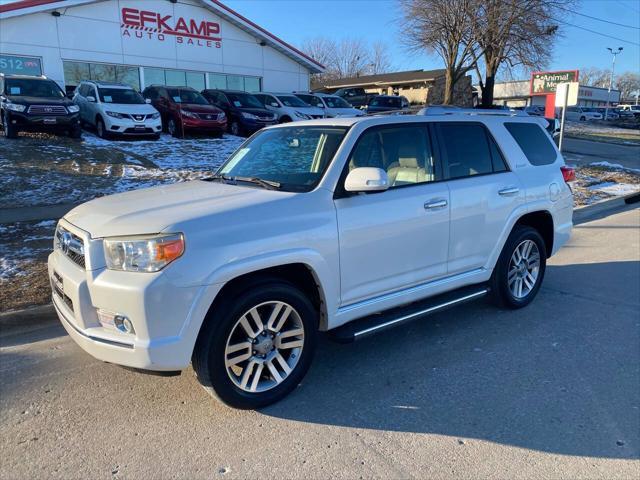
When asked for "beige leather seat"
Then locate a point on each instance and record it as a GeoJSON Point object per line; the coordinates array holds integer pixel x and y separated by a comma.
{"type": "Point", "coordinates": [407, 169]}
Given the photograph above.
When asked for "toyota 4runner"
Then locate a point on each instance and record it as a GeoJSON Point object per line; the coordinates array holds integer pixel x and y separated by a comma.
{"type": "Point", "coordinates": [347, 225]}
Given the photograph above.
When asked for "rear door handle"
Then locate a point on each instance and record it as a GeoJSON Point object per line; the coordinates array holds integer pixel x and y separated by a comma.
{"type": "Point", "coordinates": [435, 204]}
{"type": "Point", "coordinates": [509, 191]}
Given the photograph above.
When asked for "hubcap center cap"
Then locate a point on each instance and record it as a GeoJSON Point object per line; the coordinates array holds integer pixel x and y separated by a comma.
{"type": "Point", "coordinates": [264, 346]}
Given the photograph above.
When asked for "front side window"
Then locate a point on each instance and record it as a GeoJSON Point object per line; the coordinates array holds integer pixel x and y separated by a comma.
{"type": "Point", "coordinates": [26, 87]}
{"type": "Point", "coordinates": [120, 95]}
{"type": "Point", "coordinates": [295, 157]}
{"type": "Point", "coordinates": [534, 142]}
{"type": "Point", "coordinates": [466, 149]}
{"type": "Point", "coordinates": [336, 102]}
{"type": "Point", "coordinates": [404, 152]}
{"type": "Point", "coordinates": [311, 100]}
{"type": "Point", "coordinates": [291, 101]}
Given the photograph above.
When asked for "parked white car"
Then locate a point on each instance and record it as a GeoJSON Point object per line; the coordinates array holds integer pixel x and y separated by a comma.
{"type": "Point", "coordinates": [332, 105]}
{"type": "Point", "coordinates": [352, 225]}
{"type": "Point", "coordinates": [116, 109]}
{"type": "Point", "coordinates": [582, 114]}
{"type": "Point", "coordinates": [534, 110]}
{"type": "Point", "coordinates": [288, 107]}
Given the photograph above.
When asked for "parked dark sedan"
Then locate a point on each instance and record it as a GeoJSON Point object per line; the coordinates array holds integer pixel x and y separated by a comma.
{"type": "Point", "coordinates": [387, 103]}
{"type": "Point", "coordinates": [245, 113]}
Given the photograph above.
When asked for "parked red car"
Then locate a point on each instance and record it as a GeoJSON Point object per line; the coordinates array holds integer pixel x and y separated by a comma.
{"type": "Point", "coordinates": [184, 109]}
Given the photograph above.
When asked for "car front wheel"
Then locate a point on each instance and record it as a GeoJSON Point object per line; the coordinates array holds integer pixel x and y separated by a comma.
{"type": "Point", "coordinates": [256, 344]}
{"type": "Point", "coordinates": [517, 277]}
{"type": "Point", "coordinates": [10, 130]}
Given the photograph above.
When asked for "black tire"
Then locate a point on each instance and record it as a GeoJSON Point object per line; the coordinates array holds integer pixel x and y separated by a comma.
{"type": "Point", "coordinates": [101, 130]}
{"type": "Point", "coordinates": [76, 132]}
{"type": "Point", "coordinates": [174, 128]}
{"type": "Point", "coordinates": [10, 131]}
{"type": "Point", "coordinates": [155, 137]}
{"type": "Point", "coordinates": [285, 120]}
{"type": "Point", "coordinates": [500, 291]}
{"type": "Point", "coordinates": [217, 135]}
{"type": "Point", "coordinates": [235, 128]}
{"type": "Point", "coordinates": [209, 353]}
{"type": "Point", "coordinates": [583, 119]}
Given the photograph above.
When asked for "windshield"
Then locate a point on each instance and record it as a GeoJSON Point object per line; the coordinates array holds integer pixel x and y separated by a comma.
{"type": "Point", "coordinates": [295, 157]}
{"type": "Point", "coordinates": [186, 96]}
{"type": "Point", "coordinates": [120, 95]}
{"type": "Point", "coordinates": [385, 102]}
{"type": "Point", "coordinates": [310, 99]}
{"type": "Point", "coordinates": [27, 87]}
{"type": "Point", "coordinates": [291, 101]}
{"type": "Point", "coordinates": [245, 100]}
{"type": "Point", "coordinates": [336, 102]}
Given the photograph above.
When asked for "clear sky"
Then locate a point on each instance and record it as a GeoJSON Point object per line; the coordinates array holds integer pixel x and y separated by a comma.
{"type": "Point", "coordinates": [296, 20]}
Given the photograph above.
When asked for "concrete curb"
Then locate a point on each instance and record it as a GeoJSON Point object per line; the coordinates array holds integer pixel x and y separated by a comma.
{"type": "Point", "coordinates": [32, 317]}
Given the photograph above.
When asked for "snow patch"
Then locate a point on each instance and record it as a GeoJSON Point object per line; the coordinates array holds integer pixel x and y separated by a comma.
{"type": "Point", "coordinates": [615, 189]}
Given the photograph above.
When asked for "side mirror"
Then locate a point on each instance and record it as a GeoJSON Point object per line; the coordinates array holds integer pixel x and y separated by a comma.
{"type": "Point", "coordinates": [366, 179]}
{"type": "Point", "coordinates": [147, 100]}
{"type": "Point", "coordinates": [91, 99]}
{"type": "Point", "coordinates": [274, 104]}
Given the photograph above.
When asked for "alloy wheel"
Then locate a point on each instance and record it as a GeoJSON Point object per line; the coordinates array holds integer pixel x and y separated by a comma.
{"type": "Point", "coordinates": [524, 269]}
{"type": "Point", "coordinates": [264, 346]}
{"type": "Point", "coordinates": [171, 127]}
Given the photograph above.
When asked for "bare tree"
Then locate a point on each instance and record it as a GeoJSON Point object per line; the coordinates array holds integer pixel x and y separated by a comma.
{"type": "Point", "coordinates": [594, 77]}
{"type": "Point", "coordinates": [442, 27]}
{"type": "Point", "coordinates": [350, 57]}
{"type": "Point", "coordinates": [629, 85]}
{"type": "Point", "coordinates": [512, 33]}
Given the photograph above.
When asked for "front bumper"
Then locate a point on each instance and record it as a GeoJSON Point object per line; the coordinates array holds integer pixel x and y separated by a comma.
{"type": "Point", "coordinates": [214, 126]}
{"type": "Point", "coordinates": [163, 314]}
{"type": "Point", "coordinates": [128, 127]}
{"type": "Point", "coordinates": [25, 121]}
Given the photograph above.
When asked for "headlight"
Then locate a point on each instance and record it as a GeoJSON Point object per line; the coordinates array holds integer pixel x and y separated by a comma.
{"type": "Point", "coordinates": [301, 115]}
{"type": "Point", "coordinates": [73, 108]}
{"type": "Point", "coordinates": [115, 114]}
{"type": "Point", "coordinates": [143, 253]}
{"type": "Point", "coordinates": [250, 116]}
{"type": "Point", "coordinates": [154, 115]}
{"type": "Point", "coordinates": [16, 107]}
{"type": "Point", "coordinates": [186, 113]}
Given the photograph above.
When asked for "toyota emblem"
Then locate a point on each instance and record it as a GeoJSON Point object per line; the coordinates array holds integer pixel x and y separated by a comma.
{"type": "Point", "coordinates": [48, 109]}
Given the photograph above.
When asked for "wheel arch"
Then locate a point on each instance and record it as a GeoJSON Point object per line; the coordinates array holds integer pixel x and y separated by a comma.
{"type": "Point", "coordinates": [542, 221]}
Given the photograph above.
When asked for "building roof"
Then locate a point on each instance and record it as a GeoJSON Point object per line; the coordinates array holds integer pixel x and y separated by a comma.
{"type": "Point", "coordinates": [409, 76]}
{"type": "Point", "coordinates": [25, 7]}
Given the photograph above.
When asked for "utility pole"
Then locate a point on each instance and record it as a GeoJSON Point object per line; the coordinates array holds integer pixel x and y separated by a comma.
{"type": "Point", "coordinates": [613, 67]}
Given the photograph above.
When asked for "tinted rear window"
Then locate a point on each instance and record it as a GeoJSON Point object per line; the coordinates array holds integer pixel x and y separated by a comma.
{"type": "Point", "coordinates": [534, 142]}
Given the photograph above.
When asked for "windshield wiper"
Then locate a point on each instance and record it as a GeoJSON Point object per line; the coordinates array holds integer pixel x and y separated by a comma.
{"type": "Point", "coordinates": [268, 184]}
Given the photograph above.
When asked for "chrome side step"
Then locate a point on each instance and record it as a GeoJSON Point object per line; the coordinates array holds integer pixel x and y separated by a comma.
{"type": "Point", "coordinates": [369, 325]}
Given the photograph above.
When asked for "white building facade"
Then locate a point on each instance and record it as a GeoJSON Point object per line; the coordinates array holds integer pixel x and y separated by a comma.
{"type": "Point", "coordinates": [198, 43]}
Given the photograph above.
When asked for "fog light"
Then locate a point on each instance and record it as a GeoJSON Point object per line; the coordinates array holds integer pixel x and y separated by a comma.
{"type": "Point", "coordinates": [115, 320]}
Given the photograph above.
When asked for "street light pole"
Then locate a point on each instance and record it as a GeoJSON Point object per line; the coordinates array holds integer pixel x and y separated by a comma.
{"type": "Point", "coordinates": [613, 67]}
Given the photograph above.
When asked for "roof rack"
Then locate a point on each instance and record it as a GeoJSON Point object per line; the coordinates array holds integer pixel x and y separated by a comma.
{"type": "Point", "coordinates": [453, 110]}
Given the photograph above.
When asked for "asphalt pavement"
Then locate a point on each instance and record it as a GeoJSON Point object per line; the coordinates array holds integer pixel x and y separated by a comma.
{"type": "Point", "coordinates": [550, 391]}
{"type": "Point", "coordinates": [626, 155]}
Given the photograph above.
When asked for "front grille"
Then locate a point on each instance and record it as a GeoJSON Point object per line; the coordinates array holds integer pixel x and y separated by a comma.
{"type": "Point", "coordinates": [70, 245]}
{"type": "Point", "coordinates": [47, 110]}
{"type": "Point", "coordinates": [209, 116]}
{"type": "Point", "coordinates": [138, 117]}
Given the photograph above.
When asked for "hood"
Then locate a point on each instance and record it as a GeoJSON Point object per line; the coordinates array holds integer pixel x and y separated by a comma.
{"type": "Point", "coordinates": [260, 112]}
{"type": "Point", "coordinates": [196, 107]}
{"type": "Point", "coordinates": [310, 110]}
{"type": "Point", "coordinates": [345, 112]}
{"type": "Point", "coordinates": [24, 100]}
{"type": "Point", "coordinates": [151, 210]}
{"type": "Point", "coordinates": [140, 108]}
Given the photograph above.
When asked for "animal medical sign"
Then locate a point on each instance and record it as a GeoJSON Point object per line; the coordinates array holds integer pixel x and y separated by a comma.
{"type": "Point", "coordinates": [149, 25]}
{"type": "Point", "coordinates": [544, 83]}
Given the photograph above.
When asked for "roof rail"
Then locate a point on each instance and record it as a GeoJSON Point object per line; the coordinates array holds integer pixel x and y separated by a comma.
{"type": "Point", "coordinates": [453, 110]}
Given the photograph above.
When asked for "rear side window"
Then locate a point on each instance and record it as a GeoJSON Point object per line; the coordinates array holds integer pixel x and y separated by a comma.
{"type": "Point", "coordinates": [534, 142]}
{"type": "Point", "coordinates": [466, 148]}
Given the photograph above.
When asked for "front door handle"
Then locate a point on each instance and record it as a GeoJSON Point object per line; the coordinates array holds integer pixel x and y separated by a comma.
{"type": "Point", "coordinates": [509, 191]}
{"type": "Point", "coordinates": [435, 204]}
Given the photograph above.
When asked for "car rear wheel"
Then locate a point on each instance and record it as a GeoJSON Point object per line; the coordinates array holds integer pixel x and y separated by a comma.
{"type": "Point", "coordinates": [10, 131]}
{"type": "Point", "coordinates": [517, 277]}
{"type": "Point", "coordinates": [257, 344]}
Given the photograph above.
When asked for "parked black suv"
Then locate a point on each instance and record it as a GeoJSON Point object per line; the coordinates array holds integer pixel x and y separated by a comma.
{"type": "Point", "coordinates": [245, 113]}
{"type": "Point", "coordinates": [36, 104]}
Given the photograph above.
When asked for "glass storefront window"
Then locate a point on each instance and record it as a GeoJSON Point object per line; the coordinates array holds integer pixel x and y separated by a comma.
{"type": "Point", "coordinates": [103, 73]}
{"type": "Point", "coordinates": [195, 80]}
{"type": "Point", "coordinates": [129, 76]}
{"type": "Point", "coordinates": [75, 72]}
{"type": "Point", "coordinates": [251, 84]}
{"type": "Point", "coordinates": [175, 78]}
{"type": "Point", "coordinates": [218, 81]}
{"type": "Point", "coordinates": [235, 82]}
{"type": "Point", "coordinates": [153, 76]}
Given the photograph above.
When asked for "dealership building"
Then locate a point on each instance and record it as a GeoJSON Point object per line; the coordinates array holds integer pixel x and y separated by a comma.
{"type": "Point", "coordinates": [198, 43]}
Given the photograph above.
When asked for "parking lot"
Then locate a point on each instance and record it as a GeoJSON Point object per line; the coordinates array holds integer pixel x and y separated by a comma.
{"type": "Point", "coordinates": [546, 392]}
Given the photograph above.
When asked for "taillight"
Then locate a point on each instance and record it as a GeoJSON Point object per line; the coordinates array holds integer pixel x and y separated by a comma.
{"type": "Point", "coordinates": [569, 174]}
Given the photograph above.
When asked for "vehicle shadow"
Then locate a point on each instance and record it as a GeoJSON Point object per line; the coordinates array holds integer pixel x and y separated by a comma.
{"type": "Point", "coordinates": [560, 376]}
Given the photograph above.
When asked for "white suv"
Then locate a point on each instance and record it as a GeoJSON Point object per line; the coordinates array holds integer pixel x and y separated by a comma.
{"type": "Point", "coordinates": [351, 225]}
{"type": "Point", "coordinates": [116, 109]}
{"type": "Point", "coordinates": [288, 107]}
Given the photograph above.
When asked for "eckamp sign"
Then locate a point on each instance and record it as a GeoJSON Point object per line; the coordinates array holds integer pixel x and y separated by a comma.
{"type": "Point", "coordinates": [145, 24]}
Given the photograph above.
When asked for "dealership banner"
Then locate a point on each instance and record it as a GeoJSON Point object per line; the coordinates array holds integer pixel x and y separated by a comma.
{"type": "Point", "coordinates": [545, 83]}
